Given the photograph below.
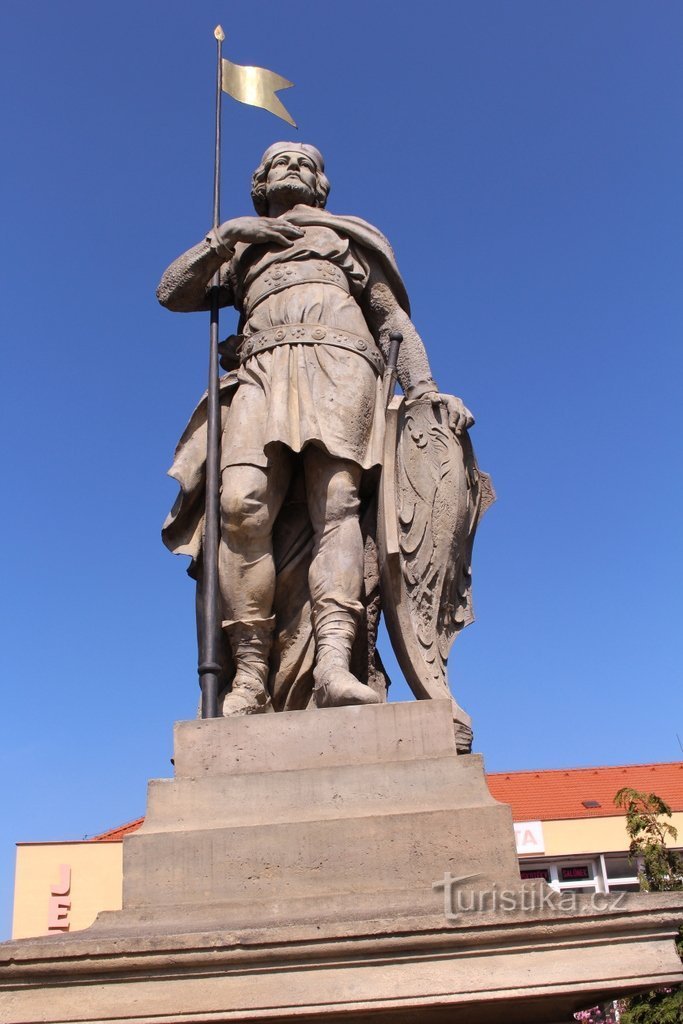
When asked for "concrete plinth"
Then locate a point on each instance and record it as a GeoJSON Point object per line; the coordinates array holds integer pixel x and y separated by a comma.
{"type": "Point", "coordinates": [349, 813]}
{"type": "Point", "coordinates": [288, 873]}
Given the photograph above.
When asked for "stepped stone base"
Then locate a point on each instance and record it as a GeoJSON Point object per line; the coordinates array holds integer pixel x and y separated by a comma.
{"type": "Point", "coordinates": [346, 813]}
{"type": "Point", "coordinates": [293, 870]}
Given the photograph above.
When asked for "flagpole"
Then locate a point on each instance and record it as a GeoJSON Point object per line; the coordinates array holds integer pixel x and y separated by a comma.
{"type": "Point", "coordinates": [209, 663]}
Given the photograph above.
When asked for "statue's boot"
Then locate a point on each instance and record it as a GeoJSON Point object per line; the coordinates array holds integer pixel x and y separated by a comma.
{"type": "Point", "coordinates": [250, 642]}
{"type": "Point", "coordinates": [335, 686]}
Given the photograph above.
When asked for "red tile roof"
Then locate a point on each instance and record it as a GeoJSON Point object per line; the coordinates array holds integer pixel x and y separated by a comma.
{"type": "Point", "coordinates": [552, 794]}
{"type": "Point", "coordinates": [115, 835]}
{"type": "Point", "coordinates": [557, 794]}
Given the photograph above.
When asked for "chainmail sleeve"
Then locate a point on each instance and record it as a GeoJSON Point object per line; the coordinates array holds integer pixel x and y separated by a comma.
{"type": "Point", "coordinates": [413, 371]}
{"type": "Point", "coordinates": [186, 284]}
{"type": "Point", "coordinates": [384, 316]}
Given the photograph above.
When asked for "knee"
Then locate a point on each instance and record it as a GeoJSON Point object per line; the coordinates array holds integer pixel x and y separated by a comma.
{"type": "Point", "coordinates": [340, 503]}
{"type": "Point", "coordinates": [244, 510]}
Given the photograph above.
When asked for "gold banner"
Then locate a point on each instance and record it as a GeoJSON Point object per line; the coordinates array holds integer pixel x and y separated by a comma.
{"type": "Point", "coordinates": [257, 87]}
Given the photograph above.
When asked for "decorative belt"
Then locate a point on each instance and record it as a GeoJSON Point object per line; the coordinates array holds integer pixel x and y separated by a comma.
{"type": "Point", "coordinates": [284, 275]}
{"type": "Point", "coordinates": [311, 334]}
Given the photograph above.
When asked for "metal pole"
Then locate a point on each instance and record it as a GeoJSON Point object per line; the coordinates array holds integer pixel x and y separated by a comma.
{"type": "Point", "coordinates": [209, 663]}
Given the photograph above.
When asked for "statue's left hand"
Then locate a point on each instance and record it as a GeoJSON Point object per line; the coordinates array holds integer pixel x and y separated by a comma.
{"type": "Point", "coordinates": [459, 416]}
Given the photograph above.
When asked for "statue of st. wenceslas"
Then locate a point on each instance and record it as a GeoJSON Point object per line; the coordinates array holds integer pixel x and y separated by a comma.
{"type": "Point", "coordinates": [332, 507]}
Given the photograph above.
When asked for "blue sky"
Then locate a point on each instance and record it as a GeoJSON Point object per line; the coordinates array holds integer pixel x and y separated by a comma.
{"type": "Point", "coordinates": [525, 161]}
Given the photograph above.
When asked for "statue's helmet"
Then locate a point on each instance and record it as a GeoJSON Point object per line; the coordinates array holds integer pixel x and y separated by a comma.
{"type": "Point", "coordinates": [258, 181]}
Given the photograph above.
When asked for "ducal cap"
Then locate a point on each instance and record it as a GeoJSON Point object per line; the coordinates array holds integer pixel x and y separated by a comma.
{"type": "Point", "coordinates": [294, 147]}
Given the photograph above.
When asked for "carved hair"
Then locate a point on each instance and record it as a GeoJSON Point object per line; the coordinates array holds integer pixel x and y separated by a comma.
{"type": "Point", "coordinates": [258, 188]}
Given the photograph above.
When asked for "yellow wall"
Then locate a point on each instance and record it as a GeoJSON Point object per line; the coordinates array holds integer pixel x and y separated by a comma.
{"type": "Point", "coordinates": [593, 835]}
{"type": "Point", "coordinates": [95, 874]}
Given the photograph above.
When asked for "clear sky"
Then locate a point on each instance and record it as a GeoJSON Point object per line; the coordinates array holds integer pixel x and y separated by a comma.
{"type": "Point", "coordinates": [525, 160]}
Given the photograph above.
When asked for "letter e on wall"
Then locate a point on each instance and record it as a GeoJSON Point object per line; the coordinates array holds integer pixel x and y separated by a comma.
{"type": "Point", "coordinates": [59, 904]}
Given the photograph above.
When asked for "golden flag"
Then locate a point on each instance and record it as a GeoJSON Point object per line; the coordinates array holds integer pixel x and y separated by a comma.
{"type": "Point", "coordinates": [255, 86]}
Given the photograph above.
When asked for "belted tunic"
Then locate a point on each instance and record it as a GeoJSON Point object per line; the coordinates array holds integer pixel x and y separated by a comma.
{"type": "Point", "coordinates": [310, 369]}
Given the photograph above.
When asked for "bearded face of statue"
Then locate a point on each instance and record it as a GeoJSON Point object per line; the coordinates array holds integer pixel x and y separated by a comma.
{"type": "Point", "coordinates": [291, 179]}
{"type": "Point", "coordinates": [289, 173]}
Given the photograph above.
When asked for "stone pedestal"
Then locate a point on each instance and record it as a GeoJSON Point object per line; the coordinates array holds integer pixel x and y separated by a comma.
{"type": "Point", "coordinates": [312, 816]}
{"type": "Point", "coordinates": [288, 873]}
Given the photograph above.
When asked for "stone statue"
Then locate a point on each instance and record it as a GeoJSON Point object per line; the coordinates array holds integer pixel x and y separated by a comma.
{"type": "Point", "coordinates": [306, 559]}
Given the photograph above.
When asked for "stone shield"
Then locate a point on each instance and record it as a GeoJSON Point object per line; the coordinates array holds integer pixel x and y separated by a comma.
{"type": "Point", "coordinates": [432, 496]}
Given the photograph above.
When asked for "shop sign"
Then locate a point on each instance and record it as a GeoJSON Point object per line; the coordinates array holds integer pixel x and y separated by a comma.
{"type": "Point", "coordinates": [529, 837]}
{"type": "Point", "coordinates": [575, 873]}
{"type": "Point", "coordinates": [59, 903]}
{"type": "Point", "coordinates": [535, 873]}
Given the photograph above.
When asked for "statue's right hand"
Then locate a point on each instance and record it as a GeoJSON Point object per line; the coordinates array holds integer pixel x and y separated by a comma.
{"type": "Point", "coordinates": [258, 230]}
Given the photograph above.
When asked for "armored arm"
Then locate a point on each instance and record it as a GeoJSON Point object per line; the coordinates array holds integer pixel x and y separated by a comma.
{"type": "Point", "coordinates": [384, 315]}
{"type": "Point", "coordinates": [185, 285]}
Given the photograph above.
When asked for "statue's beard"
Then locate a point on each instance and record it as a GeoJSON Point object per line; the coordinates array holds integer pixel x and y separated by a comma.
{"type": "Point", "coordinates": [291, 191]}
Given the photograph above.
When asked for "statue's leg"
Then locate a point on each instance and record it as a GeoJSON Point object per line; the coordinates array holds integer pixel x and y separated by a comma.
{"type": "Point", "coordinates": [335, 576]}
{"type": "Point", "coordinates": [251, 497]}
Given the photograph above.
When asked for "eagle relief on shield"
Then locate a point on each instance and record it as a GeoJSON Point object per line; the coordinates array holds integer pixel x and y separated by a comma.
{"type": "Point", "coordinates": [431, 498]}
